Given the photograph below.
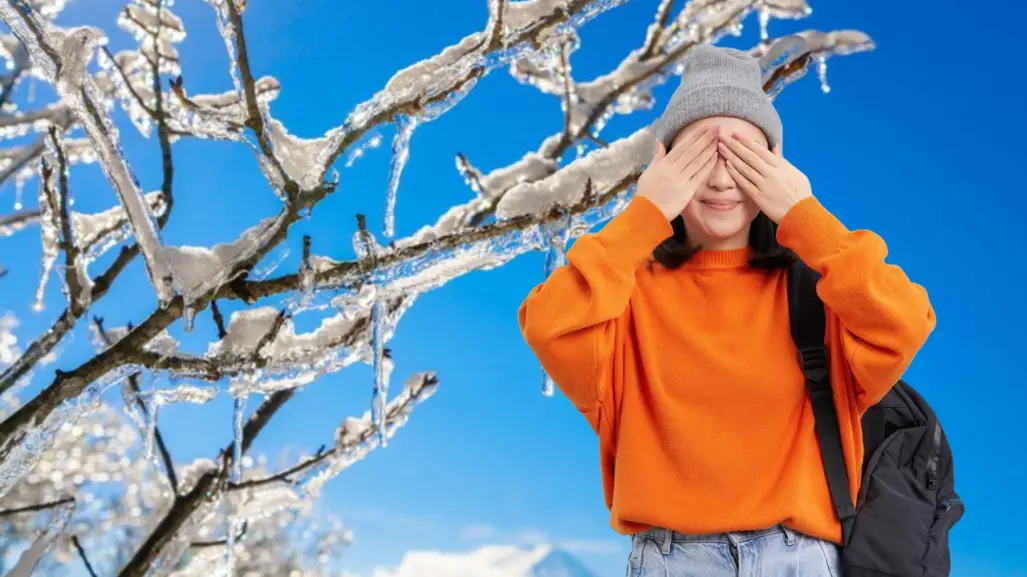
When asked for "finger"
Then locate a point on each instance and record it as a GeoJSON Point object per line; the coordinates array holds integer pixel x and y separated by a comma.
{"type": "Point", "coordinates": [661, 151]}
{"type": "Point", "coordinates": [739, 163]}
{"type": "Point", "coordinates": [778, 151]}
{"type": "Point", "coordinates": [701, 175]}
{"type": "Point", "coordinates": [692, 145]}
{"type": "Point", "coordinates": [696, 163]}
{"type": "Point", "coordinates": [743, 154]}
{"type": "Point", "coordinates": [747, 186]}
{"type": "Point", "coordinates": [762, 151]}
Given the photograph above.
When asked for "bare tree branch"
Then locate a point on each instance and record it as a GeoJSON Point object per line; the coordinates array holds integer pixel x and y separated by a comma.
{"type": "Point", "coordinates": [59, 204]}
{"type": "Point", "coordinates": [219, 320]}
{"type": "Point", "coordinates": [255, 120]}
{"type": "Point", "coordinates": [82, 554]}
{"type": "Point", "coordinates": [36, 508]}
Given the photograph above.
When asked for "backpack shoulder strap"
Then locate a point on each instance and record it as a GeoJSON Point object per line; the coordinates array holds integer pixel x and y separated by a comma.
{"type": "Point", "coordinates": [808, 324]}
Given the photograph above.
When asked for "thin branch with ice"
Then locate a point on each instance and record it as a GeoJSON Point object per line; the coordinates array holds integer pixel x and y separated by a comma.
{"type": "Point", "coordinates": [12, 223]}
{"type": "Point", "coordinates": [354, 434]}
{"type": "Point", "coordinates": [76, 277]}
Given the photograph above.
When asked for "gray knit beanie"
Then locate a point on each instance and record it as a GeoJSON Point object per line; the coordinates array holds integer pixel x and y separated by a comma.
{"type": "Point", "coordinates": [718, 81]}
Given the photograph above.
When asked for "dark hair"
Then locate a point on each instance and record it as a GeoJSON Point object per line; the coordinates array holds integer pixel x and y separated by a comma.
{"type": "Point", "coordinates": [767, 254]}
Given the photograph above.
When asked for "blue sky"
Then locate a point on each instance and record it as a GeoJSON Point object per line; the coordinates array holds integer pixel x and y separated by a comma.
{"type": "Point", "coordinates": [920, 141]}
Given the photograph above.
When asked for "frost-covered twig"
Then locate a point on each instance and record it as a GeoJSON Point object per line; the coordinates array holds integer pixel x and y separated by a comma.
{"type": "Point", "coordinates": [74, 276]}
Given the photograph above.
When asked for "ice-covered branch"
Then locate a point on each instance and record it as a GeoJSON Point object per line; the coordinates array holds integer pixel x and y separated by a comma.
{"type": "Point", "coordinates": [354, 436]}
{"type": "Point", "coordinates": [63, 56]}
{"type": "Point", "coordinates": [12, 223]}
{"type": "Point", "coordinates": [76, 277]}
{"type": "Point", "coordinates": [231, 25]}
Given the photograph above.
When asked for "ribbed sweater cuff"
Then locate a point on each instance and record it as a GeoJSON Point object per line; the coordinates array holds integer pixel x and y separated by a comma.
{"type": "Point", "coordinates": [811, 231]}
{"type": "Point", "coordinates": [631, 236]}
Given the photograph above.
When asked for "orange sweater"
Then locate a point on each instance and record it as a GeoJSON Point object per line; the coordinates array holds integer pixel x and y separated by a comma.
{"type": "Point", "coordinates": [690, 377]}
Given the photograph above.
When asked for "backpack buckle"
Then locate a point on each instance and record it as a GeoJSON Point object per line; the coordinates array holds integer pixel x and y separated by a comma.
{"type": "Point", "coordinates": [815, 362]}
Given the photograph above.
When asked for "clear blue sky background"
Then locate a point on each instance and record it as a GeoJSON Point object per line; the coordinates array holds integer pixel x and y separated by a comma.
{"type": "Point", "coordinates": [921, 141]}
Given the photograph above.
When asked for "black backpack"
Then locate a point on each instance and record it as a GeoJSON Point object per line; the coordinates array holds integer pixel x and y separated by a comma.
{"type": "Point", "coordinates": [907, 503]}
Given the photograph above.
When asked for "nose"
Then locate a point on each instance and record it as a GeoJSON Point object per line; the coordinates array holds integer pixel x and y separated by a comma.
{"type": "Point", "coordinates": [720, 178]}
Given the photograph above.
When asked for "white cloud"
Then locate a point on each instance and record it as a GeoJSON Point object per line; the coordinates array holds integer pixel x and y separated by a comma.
{"type": "Point", "coordinates": [488, 561]}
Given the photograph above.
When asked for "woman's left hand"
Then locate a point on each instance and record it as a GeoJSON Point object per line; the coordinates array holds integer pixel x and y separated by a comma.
{"type": "Point", "coordinates": [770, 180]}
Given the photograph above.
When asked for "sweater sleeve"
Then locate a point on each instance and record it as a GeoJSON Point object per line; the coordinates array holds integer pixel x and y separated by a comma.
{"type": "Point", "coordinates": [885, 318]}
{"type": "Point", "coordinates": [569, 321]}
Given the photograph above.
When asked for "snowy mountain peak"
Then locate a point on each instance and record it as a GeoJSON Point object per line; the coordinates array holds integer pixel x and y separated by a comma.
{"type": "Point", "coordinates": [490, 561]}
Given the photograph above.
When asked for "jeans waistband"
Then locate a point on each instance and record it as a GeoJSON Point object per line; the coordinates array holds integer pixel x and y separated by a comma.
{"type": "Point", "coordinates": [734, 537]}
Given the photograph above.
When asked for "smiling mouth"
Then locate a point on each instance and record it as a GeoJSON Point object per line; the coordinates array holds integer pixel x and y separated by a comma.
{"type": "Point", "coordinates": [721, 205]}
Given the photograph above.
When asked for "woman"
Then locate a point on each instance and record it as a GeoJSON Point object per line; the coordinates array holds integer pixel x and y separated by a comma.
{"type": "Point", "coordinates": [668, 329]}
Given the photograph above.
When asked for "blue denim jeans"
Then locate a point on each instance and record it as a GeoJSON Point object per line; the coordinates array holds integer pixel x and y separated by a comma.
{"type": "Point", "coordinates": [774, 552]}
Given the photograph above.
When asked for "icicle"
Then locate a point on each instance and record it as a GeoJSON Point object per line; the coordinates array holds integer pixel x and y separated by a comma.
{"type": "Point", "coordinates": [556, 236]}
{"type": "Point", "coordinates": [238, 416]}
{"type": "Point", "coordinates": [188, 313]}
{"type": "Point", "coordinates": [405, 126]}
{"type": "Point", "coordinates": [50, 233]}
{"type": "Point", "coordinates": [228, 34]}
{"type": "Point", "coordinates": [822, 73]}
{"type": "Point", "coordinates": [236, 522]}
{"type": "Point", "coordinates": [151, 426]}
{"type": "Point", "coordinates": [380, 394]}
{"type": "Point", "coordinates": [764, 16]}
{"type": "Point", "coordinates": [359, 151]}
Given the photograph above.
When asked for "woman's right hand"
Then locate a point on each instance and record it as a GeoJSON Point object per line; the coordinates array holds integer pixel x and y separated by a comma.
{"type": "Point", "coordinates": [671, 180]}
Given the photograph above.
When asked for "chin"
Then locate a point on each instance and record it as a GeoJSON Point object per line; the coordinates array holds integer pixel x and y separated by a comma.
{"type": "Point", "coordinates": [720, 232]}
